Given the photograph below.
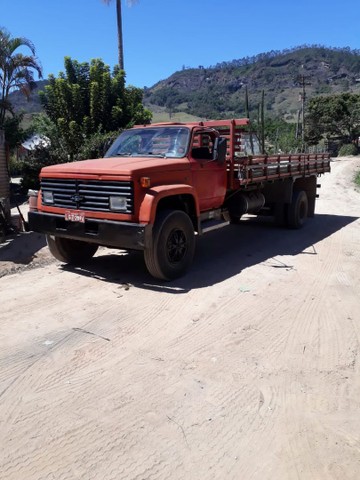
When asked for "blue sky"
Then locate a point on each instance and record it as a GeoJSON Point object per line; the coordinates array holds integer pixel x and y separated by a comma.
{"type": "Point", "coordinates": [162, 36]}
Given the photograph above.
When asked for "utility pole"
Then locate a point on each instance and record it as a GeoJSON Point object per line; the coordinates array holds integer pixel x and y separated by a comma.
{"type": "Point", "coordinates": [302, 97]}
{"type": "Point", "coordinates": [247, 115]}
{"type": "Point", "coordinates": [262, 113]}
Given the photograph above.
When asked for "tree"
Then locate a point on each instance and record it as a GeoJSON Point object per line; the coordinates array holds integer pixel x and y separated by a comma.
{"type": "Point", "coordinates": [16, 73]}
{"type": "Point", "coordinates": [333, 116]}
{"type": "Point", "coordinates": [281, 136]}
{"type": "Point", "coordinates": [119, 28]}
{"type": "Point", "coordinates": [14, 133]}
{"type": "Point", "coordinates": [89, 99]}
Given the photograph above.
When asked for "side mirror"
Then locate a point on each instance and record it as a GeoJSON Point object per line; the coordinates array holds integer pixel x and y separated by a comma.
{"type": "Point", "coordinates": [220, 149]}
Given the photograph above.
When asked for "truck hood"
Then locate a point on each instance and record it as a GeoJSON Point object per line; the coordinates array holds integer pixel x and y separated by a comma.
{"type": "Point", "coordinates": [126, 166]}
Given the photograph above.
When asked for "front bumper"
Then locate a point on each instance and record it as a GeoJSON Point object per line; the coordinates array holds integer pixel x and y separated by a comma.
{"type": "Point", "coordinates": [130, 236]}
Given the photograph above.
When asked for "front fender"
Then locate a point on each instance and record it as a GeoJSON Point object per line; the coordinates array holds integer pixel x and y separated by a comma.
{"type": "Point", "coordinates": [149, 205]}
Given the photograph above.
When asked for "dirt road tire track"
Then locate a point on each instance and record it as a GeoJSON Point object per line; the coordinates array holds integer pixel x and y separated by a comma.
{"type": "Point", "coordinates": [247, 368]}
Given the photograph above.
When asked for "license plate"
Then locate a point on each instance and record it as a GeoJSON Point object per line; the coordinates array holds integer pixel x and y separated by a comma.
{"type": "Point", "coordinates": [74, 216]}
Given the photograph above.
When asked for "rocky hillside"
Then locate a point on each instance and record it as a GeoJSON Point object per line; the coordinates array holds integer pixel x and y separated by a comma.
{"type": "Point", "coordinates": [219, 91]}
{"type": "Point", "coordinates": [31, 105]}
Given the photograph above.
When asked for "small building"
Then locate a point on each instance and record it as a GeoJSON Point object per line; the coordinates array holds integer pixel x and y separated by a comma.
{"type": "Point", "coordinates": [31, 144]}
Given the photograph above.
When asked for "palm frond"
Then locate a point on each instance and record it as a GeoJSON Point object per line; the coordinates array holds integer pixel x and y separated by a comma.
{"type": "Point", "coordinates": [16, 69]}
{"type": "Point", "coordinates": [17, 42]}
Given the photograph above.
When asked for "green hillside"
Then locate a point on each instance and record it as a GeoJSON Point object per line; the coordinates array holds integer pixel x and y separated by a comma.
{"type": "Point", "coordinates": [219, 91]}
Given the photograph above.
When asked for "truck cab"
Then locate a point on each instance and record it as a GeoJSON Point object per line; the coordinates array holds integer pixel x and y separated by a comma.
{"type": "Point", "coordinates": [117, 201]}
{"type": "Point", "coordinates": [183, 149]}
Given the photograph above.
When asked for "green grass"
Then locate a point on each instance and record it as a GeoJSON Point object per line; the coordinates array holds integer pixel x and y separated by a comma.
{"type": "Point", "coordinates": [161, 115]}
{"type": "Point", "coordinates": [176, 117]}
{"type": "Point", "coordinates": [357, 179]}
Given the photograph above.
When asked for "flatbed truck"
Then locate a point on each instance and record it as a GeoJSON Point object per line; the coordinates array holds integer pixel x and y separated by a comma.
{"type": "Point", "coordinates": [161, 185]}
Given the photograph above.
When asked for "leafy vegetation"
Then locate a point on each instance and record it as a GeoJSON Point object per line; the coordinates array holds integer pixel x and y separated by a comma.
{"type": "Point", "coordinates": [97, 145]}
{"type": "Point", "coordinates": [334, 116]}
{"type": "Point", "coordinates": [281, 136]}
{"type": "Point", "coordinates": [348, 149]}
{"type": "Point", "coordinates": [30, 169]}
{"type": "Point", "coordinates": [89, 99]}
{"type": "Point", "coordinates": [15, 134]}
{"type": "Point", "coordinates": [357, 179]}
{"type": "Point", "coordinates": [85, 108]}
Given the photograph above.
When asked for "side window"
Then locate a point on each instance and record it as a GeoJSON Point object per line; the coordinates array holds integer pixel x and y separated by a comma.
{"type": "Point", "coordinates": [202, 146]}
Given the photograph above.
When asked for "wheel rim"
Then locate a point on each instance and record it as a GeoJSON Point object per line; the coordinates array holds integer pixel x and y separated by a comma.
{"type": "Point", "coordinates": [176, 246]}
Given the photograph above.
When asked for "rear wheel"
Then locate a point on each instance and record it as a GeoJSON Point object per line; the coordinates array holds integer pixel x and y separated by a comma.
{"type": "Point", "coordinates": [70, 251]}
{"type": "Point", "coordinates": [173, 245]}
{"type": "Point", "coordinates": [280, 211]}
{"type": "Point", "coordinates": [297, 211]}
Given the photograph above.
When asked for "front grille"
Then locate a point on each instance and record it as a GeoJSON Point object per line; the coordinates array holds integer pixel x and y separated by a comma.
{"type": "Point", "coordinates": [91, 195]}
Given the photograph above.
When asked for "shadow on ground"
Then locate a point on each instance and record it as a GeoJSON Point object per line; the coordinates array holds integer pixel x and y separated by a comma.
{"type": "Point", "coordinates": [21, 248]}
{"type": "Point", "coordinates": [220, 255]}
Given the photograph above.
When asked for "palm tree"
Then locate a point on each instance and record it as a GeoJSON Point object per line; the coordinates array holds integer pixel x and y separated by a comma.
{"type": "Point", "coordinates": [16, 73]}
{"type": "Point", "coordinates": [119, 28]}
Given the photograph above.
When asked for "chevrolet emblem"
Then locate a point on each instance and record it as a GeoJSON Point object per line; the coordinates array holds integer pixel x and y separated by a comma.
{"type": "Point", "coordinates": [77, 198]}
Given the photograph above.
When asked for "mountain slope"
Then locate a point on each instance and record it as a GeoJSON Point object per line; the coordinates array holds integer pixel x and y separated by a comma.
{"type": "Point", "coordinates": [219, 91]}
{"type": "Point", "coordinates": [31, 105]}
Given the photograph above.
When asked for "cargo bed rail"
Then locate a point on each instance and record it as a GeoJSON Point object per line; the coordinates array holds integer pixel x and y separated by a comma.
{"type": "Point", "coordinates": [248, 170]}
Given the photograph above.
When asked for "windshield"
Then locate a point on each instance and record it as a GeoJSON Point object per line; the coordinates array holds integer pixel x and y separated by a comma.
{"type": "Point", "coordinates": [156, 141]}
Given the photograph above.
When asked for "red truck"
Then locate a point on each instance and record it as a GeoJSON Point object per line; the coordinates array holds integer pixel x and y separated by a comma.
{"type": "Point", "coordinates": [160, 185]}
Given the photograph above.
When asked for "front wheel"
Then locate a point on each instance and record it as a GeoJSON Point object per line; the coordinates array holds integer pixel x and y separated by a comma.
{"type": "Point", "coordinates": [235, 219]}
{"type": "Point", "coordinates": [70, 251]}
{"type": "Point", "coordinates": [173, 245]}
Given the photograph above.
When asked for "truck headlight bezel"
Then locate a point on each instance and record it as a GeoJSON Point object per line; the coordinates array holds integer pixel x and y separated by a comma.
{"type": "Point", "coordinates": [118, 204]}
{"type": "Point", "coordinates": [48, 197]}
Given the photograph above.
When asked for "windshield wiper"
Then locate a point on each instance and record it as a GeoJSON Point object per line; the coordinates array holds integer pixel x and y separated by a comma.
{"type": "Point", "coordinates": [148, 154]}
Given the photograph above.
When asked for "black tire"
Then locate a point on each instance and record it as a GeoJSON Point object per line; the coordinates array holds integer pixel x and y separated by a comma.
{"type": "Point", "coordinates": [173, 245]}
{"type": "Point", "coordinates": [235, 220]}
{"type": "Point", "coordinates": [297, 211]}
{"type": "Point", "coordinates": [71, 251]}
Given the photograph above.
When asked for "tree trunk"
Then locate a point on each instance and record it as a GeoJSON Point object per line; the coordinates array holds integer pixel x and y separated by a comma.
{"type": "Point", "coordinates": [4, 177]}
{"type": "Point", "coordinates": [120, 35]}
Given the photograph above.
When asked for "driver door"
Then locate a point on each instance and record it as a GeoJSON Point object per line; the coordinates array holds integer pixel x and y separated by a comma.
{"type": "Point", "coordinates": [209, 176]}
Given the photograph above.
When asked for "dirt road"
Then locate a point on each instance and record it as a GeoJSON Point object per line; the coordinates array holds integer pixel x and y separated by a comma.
{"type": "Point", "coordinates": [246, 368]}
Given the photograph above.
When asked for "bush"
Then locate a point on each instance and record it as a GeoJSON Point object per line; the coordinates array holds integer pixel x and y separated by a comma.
{"type": "Point", "coordinates": [39, 158]}
{"type": "Point", "coordinates": [357, 179]}
{"type": "Point", "coordinates": [94, 147]}
{"type": "Point", "coordinates": [15, 166]}
{"type": "Point", "coordinates": [97, 145]}
{"type": "Point", "coordinates": [348, 149]}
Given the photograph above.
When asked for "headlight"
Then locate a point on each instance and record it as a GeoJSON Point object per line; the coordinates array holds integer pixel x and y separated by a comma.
{"type": "Point", "coordinates": [118, 203]}
{"type": "Point", "coordinates": [48, 197]}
